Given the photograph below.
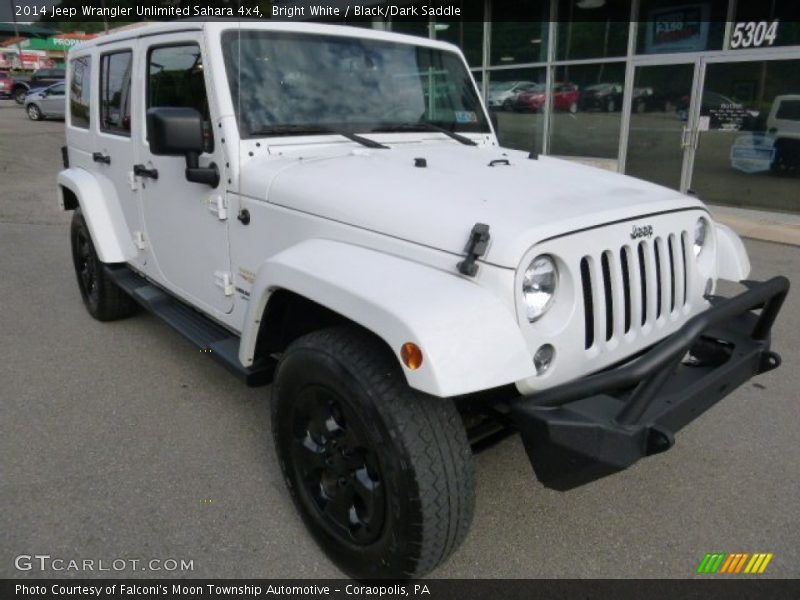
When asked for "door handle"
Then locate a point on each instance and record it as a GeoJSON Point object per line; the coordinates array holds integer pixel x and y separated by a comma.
{"type": "Point", "coordinates": [142, 171]}
{"type": "Point", "coordinates": [101, 158]}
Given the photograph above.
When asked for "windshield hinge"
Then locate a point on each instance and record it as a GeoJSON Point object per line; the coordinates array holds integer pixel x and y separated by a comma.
{"type": "Point", "coordinates": [476, 247]}
{"type": "Point", "coordinates": [224, 280]}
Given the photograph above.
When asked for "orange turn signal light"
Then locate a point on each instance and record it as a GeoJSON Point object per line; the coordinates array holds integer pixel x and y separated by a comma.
{"type": "Point", "coordinates": [411, 355]}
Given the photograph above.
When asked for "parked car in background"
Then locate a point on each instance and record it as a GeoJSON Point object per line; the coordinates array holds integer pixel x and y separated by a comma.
{"type": "Point", "coordinates": [23, 85]}
{"type": "Point", "coordinates": [46, 103]}
{"type": "Point", "coordinates": [646, 99]}
{"type": "Point", "coordinates": [6, 84]}
{"type": "Point", "coordinates": [602, 96]}
{"type": "Point", "coordinates": [502, 93]}
{"type": "Point", "coordinates": [783, 123]}
{"type": "Point", "coordinates": [565, 98]}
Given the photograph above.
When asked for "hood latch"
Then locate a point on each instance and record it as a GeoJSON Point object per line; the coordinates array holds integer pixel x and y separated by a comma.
{"type": "Point", "coordinates": [476, 247]}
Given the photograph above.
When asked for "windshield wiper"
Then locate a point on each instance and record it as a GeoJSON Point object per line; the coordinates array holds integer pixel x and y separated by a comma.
{"type": "Point", "coordinates": [425, 126]}
{"type": "Point", "coordinates": [314, 130]}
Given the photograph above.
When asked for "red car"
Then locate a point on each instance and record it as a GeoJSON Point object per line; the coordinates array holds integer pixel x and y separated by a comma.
{"type": "Point", "coordinates": [6, 84]}
{"type": "Point", "coordinates": [565, 98]}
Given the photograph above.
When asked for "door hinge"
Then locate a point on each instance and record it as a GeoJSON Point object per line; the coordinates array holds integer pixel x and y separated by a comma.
{"type": "Point", "coordinates": [224, 280]}
{"type": "Point", "coordinates": [138, 239]}
{"type": "Point", "coordinates": [216, 204]}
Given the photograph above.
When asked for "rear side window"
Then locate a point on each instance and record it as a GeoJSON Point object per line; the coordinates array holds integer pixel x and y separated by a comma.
{"type": "Point", "coordinates": [115, 93]}
{"type": "Point", "coordinates": [789, 110]}
{"type": "Point", "coordinates": [175, 78]}
{"type": "Point", "coordinates": [80, 89]}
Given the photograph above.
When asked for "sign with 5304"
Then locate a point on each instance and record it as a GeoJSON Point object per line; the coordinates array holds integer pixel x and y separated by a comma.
{"type": "Point", "coordinates": [754, 34]}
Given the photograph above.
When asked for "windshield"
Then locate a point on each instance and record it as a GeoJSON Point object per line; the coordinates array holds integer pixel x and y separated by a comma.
{"type": "Point", "coordinates": [284, 83]}
{"type": "Point", "coordinates": [789, 110]}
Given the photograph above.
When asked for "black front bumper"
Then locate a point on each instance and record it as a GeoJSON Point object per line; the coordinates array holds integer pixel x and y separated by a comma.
{"type": "Point", "coordinates": [583, 430]}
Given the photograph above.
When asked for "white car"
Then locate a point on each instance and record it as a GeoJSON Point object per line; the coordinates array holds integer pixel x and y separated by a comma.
{"type": "Point", "coordinates": [783, 123]}
{"type": "Point", "coordinates": [502, 93]}
{"type": "Point", "coordinates": [328, 209]}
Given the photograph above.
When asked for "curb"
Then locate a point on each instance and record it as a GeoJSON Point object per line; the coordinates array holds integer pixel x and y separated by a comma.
{"type": "Point", "coordinates": [763, 226]}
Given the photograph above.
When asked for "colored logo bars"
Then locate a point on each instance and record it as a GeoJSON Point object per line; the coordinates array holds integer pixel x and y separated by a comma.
{"type": "Point", "coordinates": [740, 562]}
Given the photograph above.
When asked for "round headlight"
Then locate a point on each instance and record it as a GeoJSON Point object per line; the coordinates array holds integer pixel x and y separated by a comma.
{"type": "Point", "coordinates": [539, 286]}
{"type": "Point", "coordinates": [700, 230]}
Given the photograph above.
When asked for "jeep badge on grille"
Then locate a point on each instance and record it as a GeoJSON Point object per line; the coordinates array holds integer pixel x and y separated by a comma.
{"type": "Point", "coordinates": [643, 231]}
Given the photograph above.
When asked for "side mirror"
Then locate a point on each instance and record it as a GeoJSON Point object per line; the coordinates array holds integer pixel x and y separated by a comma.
{"type": "Point", "coordinates": [176, 131]}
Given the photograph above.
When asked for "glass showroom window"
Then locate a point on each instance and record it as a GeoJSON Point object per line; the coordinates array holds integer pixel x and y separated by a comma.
{"type": "Point", "coordinates": [592, 28]}
{"type": "Point", "coordinates": [467, 35]}
{"type": "Point", "coordinates": [419, 28]}
{"type": "Point", "coordinates": [516, 97]}
{"type": "Point", "coordinates": [748, 152]}
{"type": "Point", "coordinates": [666, 26]}
{"type": "Point", "coordinates": [587, 103]}
{"type": "Point", "coordinates": [519, 31]}
{"type": "Point", "coordinates": [659, 111]}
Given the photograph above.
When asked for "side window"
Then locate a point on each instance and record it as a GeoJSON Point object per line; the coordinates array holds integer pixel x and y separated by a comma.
{"type": "Point", "coordinates": [80, 91]}
{"type": "Point", "coordinates": [57, 90]}
{"type": "Point", "coordinates": [175, 78]}
{"type": "Point", "coordinates": [115, 93]}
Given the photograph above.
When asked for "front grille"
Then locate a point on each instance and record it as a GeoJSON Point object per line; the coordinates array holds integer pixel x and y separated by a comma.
{"type": "Point", "coordinates": [628, 288]}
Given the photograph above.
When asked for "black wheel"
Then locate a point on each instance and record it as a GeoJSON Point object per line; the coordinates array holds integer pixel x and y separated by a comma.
{"type": "Point", "coordinates": [103, 299]}
{"type": "Point", "coordinates": [381, 474]}
{"type": "Point", "coordinates": [34, 114]}
{"type": "Point", "coordinates": [19, 95]}
{"type": "Point", "coordinates": [611, 106]}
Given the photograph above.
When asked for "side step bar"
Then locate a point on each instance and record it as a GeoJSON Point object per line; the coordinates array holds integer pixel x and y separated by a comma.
{"type": "Point", "coordinates": [204, 333]}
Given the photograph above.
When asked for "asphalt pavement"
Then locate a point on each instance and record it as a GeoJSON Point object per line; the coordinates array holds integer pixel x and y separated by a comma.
{"type": "Point", "coordinates": [122, 441]}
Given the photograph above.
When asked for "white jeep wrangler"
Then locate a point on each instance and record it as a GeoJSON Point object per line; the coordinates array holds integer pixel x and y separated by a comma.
{"type": "Point", "coordinates": [327, 208]}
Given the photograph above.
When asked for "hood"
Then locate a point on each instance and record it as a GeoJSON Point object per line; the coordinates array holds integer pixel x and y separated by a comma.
{"type": "Point", "coordinates": [522, 200]}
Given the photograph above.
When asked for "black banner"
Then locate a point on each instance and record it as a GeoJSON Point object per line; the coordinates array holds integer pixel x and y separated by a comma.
{"type": "Point", "coordinates": [515, 589]}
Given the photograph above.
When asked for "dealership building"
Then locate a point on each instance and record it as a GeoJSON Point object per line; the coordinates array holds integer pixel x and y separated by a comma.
{"type": "Point", "coordinates": [698, 95]}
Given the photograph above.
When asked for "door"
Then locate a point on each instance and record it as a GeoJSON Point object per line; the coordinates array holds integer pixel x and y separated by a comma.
{"type": "Point", "coordinates": [185, 235]}
{"type": "Point", "coordinates": [53, 103]}
{"type": "Point", "coordinates": [113, 150]}
{"type": "Point", "coordinates": [748, 143]}
{"type": "Point", "coordinates": [660, 135]}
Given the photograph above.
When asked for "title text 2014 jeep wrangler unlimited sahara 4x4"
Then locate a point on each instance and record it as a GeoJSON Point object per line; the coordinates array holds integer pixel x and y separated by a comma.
{"type": "Point", "coordinates": [327, 209]}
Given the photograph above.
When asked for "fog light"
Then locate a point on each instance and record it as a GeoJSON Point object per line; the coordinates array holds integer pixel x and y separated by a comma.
{"type": "Point", "coordinates": [411, 355]}
{"type": "Point", "coordinates": [543, 358]}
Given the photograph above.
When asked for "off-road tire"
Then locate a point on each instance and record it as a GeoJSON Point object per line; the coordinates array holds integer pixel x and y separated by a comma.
{"type": "Point", "coordinates": [420, 442]}
{"type": "Point", "coordinates": [104, 300]}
